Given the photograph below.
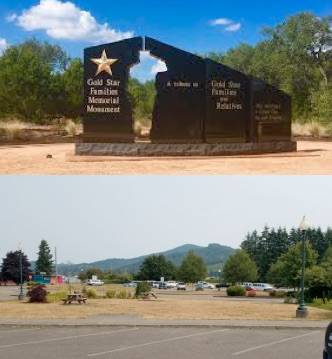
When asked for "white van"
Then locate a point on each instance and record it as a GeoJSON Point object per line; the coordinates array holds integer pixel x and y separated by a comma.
{"type": "Point", "coordinates": [265, 287]}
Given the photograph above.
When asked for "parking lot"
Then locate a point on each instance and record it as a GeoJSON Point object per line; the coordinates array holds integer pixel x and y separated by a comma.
{"type": "Point", "coordinates": [158, 342]}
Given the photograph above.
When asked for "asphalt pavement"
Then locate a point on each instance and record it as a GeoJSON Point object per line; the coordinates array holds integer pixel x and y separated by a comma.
{"type": "Point", "coordinates": [159, 343]}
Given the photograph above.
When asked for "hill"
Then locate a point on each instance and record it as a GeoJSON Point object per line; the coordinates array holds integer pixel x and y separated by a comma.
{"type": "Point", "coordinates": [213, 255]}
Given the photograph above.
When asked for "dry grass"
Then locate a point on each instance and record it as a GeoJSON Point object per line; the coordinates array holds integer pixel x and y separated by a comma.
{"type": "Point", "coordinates": [14, 129]}
{"type": "Point", "coordinates": [310, 129]}
{"type": "Point", "coordinates": [170, 308]}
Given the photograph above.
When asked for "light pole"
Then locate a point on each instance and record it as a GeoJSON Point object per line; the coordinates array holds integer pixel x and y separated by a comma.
{"type": "Point", "coordinates": [21, 295]}
{"type": "Point", "coordinates": [302, 311]}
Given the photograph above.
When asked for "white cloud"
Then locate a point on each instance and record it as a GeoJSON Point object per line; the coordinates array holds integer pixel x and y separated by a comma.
{"type": "Point", "coordinates": [233, 27]}
{"type": "Point", "coordinates": [221, 21]}
{"type": "Point", "coordinates": [227, 24]}
{"type": "Point", "coordinates": [64, 20]}
{"type": "Point", "coordinates": [159, 66]}
{"type": "Point", "coordinates": [3, 45]}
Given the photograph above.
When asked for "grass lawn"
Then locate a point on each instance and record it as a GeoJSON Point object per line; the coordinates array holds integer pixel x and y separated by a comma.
{"type": "Point", "coordinates": [168, 308]}
{"type": "Point", "coordinates": [321, 305]}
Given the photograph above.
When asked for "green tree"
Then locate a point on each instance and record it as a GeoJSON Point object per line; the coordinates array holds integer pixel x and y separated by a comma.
{"type": "Point", "coordinates": [87, 274]}
{"type": "Point", "coordinates": [192, 268]}
{"type": "Point", "coordinates": [73, 88]}
{"type": "Point", "coordinates": [24, 83]}
{"type": "Point", "coordinates": [287, 270]}
{"type": "Point", "coordinates": [239, 267]}
{"type": "Point", "coordinates": [319, 278]}
{"type": "Point", "coordinates": [11, 267]}
{"type": "Point", "coordinates": [156, 266]}
{"type": "Point", "coordinates": [44, 263]}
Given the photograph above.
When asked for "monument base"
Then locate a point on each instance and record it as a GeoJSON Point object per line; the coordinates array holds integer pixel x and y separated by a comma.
{"type": "Point", "coordinates": [199, 149]}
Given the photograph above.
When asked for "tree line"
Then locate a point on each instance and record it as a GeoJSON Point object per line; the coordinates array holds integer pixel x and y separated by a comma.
{"type": "Point", "coordinates": [267, 247]}
{"type": "Point", "coordinates": [40, 82]}
{"type": "Point", "coordinates": [295, 56]}
{"type": "Point", "coordinates": [15, 260]}
{"type": "Point", "coordinates": [275, 255]}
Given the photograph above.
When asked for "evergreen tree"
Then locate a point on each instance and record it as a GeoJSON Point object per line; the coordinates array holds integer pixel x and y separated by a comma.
{"type": "Point", "coordinates": [11, 267]}
{"type": "Point", "coordinates": [44, 263]}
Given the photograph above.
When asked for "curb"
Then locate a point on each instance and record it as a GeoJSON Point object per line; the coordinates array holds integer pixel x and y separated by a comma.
{"type": "Point", "coordinates": [320, 326]}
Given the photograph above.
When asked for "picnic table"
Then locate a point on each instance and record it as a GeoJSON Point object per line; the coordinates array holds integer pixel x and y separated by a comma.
{"type": "Point", "coordinates": [74, 297]}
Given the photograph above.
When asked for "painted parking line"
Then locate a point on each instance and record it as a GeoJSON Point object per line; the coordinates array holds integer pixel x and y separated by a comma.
{"type": "Point", "coordinates": [157, 342]}
{"type": "Point", "coordinates": [274, 343]}
{"type": "Point", "coordinates": [67, 338]}
{"type": "Point", "coordinates": [17, 330]}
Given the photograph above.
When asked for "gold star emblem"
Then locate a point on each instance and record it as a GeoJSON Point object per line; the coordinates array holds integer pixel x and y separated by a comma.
{"type": "Point", "coordinates": [104, 64]}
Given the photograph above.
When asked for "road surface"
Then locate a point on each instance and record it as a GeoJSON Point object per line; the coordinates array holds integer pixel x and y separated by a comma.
{"type": "Point", "coordinates": [159, 343]}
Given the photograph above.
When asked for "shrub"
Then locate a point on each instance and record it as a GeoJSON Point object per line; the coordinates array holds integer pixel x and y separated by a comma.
{"type": "Point", "coordinates": [111, 293]}
{"type": "Point", "coordinates": [37, 294]}
{"type": "Point", "coordinates": [56, 297]}
{"type": "Point", "coordinates": [91, 293]}
{"type": "Point", "coordinates": [236, 291]}
{"type": "Point", "coordinates": [142, 288]}
{"type": "Point", "coordinates": [71, 128]}
{"type": "Point", "coordinates": [122, 294]}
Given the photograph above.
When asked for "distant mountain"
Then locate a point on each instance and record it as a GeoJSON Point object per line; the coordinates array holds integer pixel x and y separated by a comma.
{"type": "Point", "coordinates": [213, 255]}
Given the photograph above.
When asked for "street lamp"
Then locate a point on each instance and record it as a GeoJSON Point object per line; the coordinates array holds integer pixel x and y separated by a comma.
{"type": "Point", "coordinates": [302, 311]}
{"type": "Point", "coordinates": [21, 295]}
{"type": "Point", "coordinates": [219, 271]}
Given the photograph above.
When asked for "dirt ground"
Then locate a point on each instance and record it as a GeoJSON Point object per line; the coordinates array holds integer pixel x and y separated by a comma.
{"type": "Point", "coordinates": [312, 158]}
{"type": "Point", "coordinates": [162, 308]}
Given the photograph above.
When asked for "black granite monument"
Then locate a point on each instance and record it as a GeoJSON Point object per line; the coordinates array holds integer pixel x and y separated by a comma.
{"type": "Point", "coordinates": [108, 115]}
{"type": "Point", "coordinates": [204, 106]}
{"type": "Point", "coordinates": [179, 110]}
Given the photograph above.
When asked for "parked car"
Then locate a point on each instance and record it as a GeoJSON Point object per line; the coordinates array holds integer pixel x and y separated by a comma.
{"type": "Point", "coordinates": [130, 285]}
{"type": "Point", "coordinates": [181, 286]}
{"type": "Point", "coordinates": [207, 285]}
{"type": "Point", "coordinates": [171, 284]}
{"type": "Point", "coordinates": [163, 285]}
{"type": "Point", "coordinates": [95, 282]}
{"type": "Point", "coordinates": [155, 284]}
{"type": "Point", "coordinates": [249, 288]}
{"type": "Point", "coordinates": [327, 354]}
{"type": "Point", "coordinates": [265, 287]}
{"type": "Point", "coordinates": [199, 286]}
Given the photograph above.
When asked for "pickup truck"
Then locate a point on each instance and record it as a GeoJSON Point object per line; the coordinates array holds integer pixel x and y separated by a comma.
{"type": "Point", "coordinates": [95, 282]}
{"type": "Point", "coordinates": [327, 354]}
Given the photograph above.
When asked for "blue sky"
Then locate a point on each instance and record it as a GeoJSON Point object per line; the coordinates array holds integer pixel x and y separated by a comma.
{"type": "Point", "coordinates": [183, 23]}
{"type": "Point", "coordinates": [96, 217]}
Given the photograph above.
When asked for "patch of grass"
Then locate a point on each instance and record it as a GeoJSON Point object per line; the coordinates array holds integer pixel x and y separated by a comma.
{"type": "Point", "coordinates": [72, 128]}
{"type": "Point", "coordinates": [165, 308]}
{"type": "Point", "coordinates": [319, 303]}
{"type": "Point", "coordinates": [56, 296]}
{"type": "Point", "coordinates": [111, 293]}
{"type": "Point", "coordinates": [90, 293]}
{"type": "Point", "coordinates": [278, 293]}
{"type": "Point", "coordinates": [122, 294]}
{"type": "Point", "coordinates": [311, 129]}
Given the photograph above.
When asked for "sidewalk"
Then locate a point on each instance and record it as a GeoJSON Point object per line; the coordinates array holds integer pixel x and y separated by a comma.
{"type": "Point", "coordinates": [127, 320]}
